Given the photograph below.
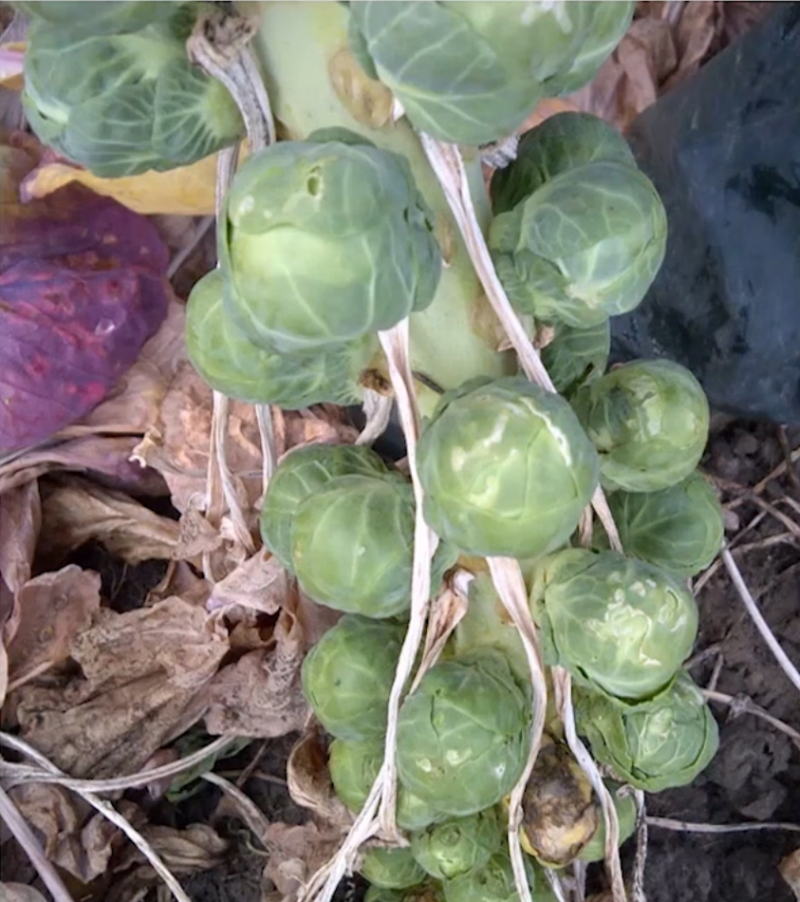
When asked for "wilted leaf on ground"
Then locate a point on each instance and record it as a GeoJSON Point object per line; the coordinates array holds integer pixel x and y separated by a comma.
{"type": "Point", "coordinates": [310, 783]}
{"type": "Point", "coordinates": [260, 584]}
{"type": "Point", "coordinates": [75, 511]}
{"type": "Point", "coordinates": [259, 695]}
{"type": "Point", "coordinates": [20, 521]}
{"type": "Point", "coordinates": [144, 679]}
{"type": "Point", "coordinates": [19, 892]}
{"type": "Point", "coordinates": [133, 403]}
{"type": "Point", "coordinates": [197, 848]}
{"type": "Point", "coordinates": [82, 287]}
{"type": "Point", "coordinates": [106, 458]}
{"type": "Point", "coordinates": [790, 871]}
{"type": "Point", "coordinates": [74, 836]}
{"type": "Point", "coordinates": [53, 609]}
{"type": "Point", "coordinates": [178, 444]}
{"type": "Point", "coordinates": [296, 853]}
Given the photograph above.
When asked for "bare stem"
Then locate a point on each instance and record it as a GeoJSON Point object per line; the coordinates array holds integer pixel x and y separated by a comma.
{"type": "Point", "coordinates": [667, 823]}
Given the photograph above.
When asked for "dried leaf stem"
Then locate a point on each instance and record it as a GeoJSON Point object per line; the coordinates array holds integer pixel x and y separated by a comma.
{"type": "Point", "coordinates": [108, 811]}
{"type": "Point", "coordinates": [761, 624]}
{"type": "Point", "coordinates": [667, 823]}
{"type": "Point", "coordinates": [23, 834]}
{"type": "Point", "coordinates": [24, 773]}
{"type": "Point", "coordinates": [510, 586]}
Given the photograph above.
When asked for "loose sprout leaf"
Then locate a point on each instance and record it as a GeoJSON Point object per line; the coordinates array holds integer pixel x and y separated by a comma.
{"type": "Point", "coordinates": [225, 357]}
{"type": "Point", "coordinates": [665, 745]}
{"type": "Point", "coordinates": [576, 356]}
{"type": "Point", "coordinates": [99, 18]}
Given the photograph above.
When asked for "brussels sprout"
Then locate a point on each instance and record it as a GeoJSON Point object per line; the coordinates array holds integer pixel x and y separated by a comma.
{"type": "Point", "coordinates": [463, 736]}
{"type": "Point", "coordinates": [391, 868]}
{"type": "Point", "coordinates": [585, 243]}
{"type": "Point", "coordinates": [456, 847]}
{"type": "Point", "coordinates": [300, 475]}
{"type": "Point", "coordinates": [495, 883]}
{"type": "Point", "coordinates": [506, 468]}
{"type": "Point", "coordinates": [347, 676]}
{"type": "Point", "coordinates": [120, 104]}
{"type": "Point", "coordinates": [679, 529]}
{"type": "Point", "coordinates": [560, 144]}
{"type": "Point", "coordinates": [353, 546]}
{"type": "Point", "coordinates": [666, 744]}
{"type": "Point", "coordinates": [559, 811]}
{"type": "Point", "coordinates": [576, 356]}
{"type": "Point", "coordinates": [99, 18]}
{"type": "Point", "coordinates": [649, 422]}
{"type": "Point", "coordinates": [423, 892]}
{"type": "Point", "coordinates": [230, 363]}
{"type": "Point", "coordinates": [620, 626]}
{"type": "Point", "coordinates": [325, 242]}
{"type": "Point", "coordinates": [625, 806]}
{"type": "Point", "coordinates": [608, 22]}
{"type": "Point", "coordinates": [354, 767]}
{"type": "Point", "coordinates": [381, 894]}
{"type": "Point", "coordinates": [471, 73]}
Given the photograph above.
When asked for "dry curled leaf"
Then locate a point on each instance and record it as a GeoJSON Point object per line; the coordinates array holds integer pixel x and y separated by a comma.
{"type": "Point", "coordinates": [143, 680]}
{"type": "Point", "coordinates": [75, 511]}
{"type": "Point", "coordinates": [790, 871]}
{"type": "Point", "coordinates": [20, 520]}
{"type": "Point", "coordinates": [74, 836]}
{"type": "Point", "coordinates": [310, 783]}
{"type": "Point", "coordinates": [259, 584]}
{"type": "Point", "coordinates": [19, 892]}
{"type": "Point", "coordinates": [260, 694]}
{"type": "Point", "coordinates": [106, 458]}
{"type": "Point", "coordinates": [53, 609]}
{"type": "Point", "coordinates": [296, 853]}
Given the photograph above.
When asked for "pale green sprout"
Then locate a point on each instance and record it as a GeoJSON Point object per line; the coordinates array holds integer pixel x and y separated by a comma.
{"type": "Point", "coordinates": [680, 528]}
{"type": "Point", "coordinates": [494, 882]}
{"type": "Point", "coordinates": [576, 356]}
{"type": "Point", "coordinates": [471, 73]}
{"type": "Point", "coordinates": [354, 767]}
{"type": "Point", "coordinates": [300, 475]}
{"type": "Point", "coordinates": [230, 363]}
{"type": "Point", "coordinates": [459, 846]}
{"type": "Point", "coordinates": [587, 233]}
{"type": "Point", "coordinates": [666, 744]}
{"type": "Point", "coordinates": [391, 868]}
{"type": "Point", "coordinates": [620, 626]}
{"type": "Point", "coordinates": [324, 241]}
{"type": "Point", "coordinates": [506, 468]}
{"type": "Point", "coordinates": [347, 676]}
{"type": "Point", "coordinates": [648, 420]}
{"type": "Point", "coordinates": [121, 104]}
{"type": "Point", "coordinates": [625, 806]}
{"type": "Point", "coordinates": [353, 546]}
{"type": "Point", "coordinates": [99, 18]}
{"type": "Point", "coordinates": [463, 736]}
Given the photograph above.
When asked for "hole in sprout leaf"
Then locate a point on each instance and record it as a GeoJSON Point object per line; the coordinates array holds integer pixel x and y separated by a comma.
{"type": "Point", "coordinates": [314, 183]}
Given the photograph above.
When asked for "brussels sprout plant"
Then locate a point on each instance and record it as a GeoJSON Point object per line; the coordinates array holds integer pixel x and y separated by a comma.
{"type": "Point", "coordinates": [337, 239]}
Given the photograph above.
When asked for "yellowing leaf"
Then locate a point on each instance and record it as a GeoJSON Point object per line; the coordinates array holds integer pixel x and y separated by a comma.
{"type": "Point", "coordinates": [188, 190]}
